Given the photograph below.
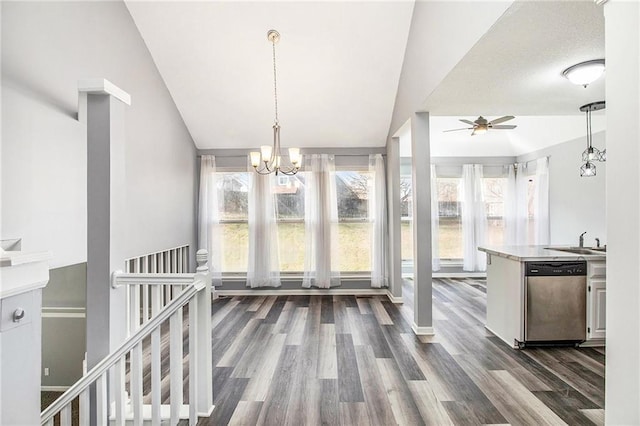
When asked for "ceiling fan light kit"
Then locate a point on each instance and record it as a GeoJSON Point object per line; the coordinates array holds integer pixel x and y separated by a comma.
{"type": "Point", "coordinates": [584, 73]}
{"type": "Point", "coordinates": [481, 125]}
{"type": "Point", "coordinates": [591, 154]}
{"type": "Point", "coordinates": [269, 158]}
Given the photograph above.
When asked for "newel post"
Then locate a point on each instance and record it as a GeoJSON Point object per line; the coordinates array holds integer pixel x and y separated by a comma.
{"type": "Point", "coordinates": [204, 356]}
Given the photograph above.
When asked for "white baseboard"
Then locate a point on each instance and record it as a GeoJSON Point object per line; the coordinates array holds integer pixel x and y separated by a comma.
{"type": "Point", "coordinates": [394, 299]}
{"type": "Point", "coordinates": [54, 388]}
{"type": "Point", "coordinates": [596, 343]}
{"type": "Point", "coordinates": [459, 275]}
{"type": "Point", "coordinates": [306, 292]}
{"type": "Point", "coordinates": [422, 331]}
{"type": "Point", "coordinates": [206, 413]}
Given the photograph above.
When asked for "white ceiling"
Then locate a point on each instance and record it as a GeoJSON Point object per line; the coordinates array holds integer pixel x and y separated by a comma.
{"type": "Point", "coordinates": [516, 67]}
{"type": "Point", "coordinates": [339, 63]}
{"type": "Point", "coordinates": [338, 68]}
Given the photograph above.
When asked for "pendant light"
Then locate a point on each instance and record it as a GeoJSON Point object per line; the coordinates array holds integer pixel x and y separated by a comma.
{"type": "Point", "coordinates": [269, 159]}
{"type": "Point", "coordinates": [592, 153]}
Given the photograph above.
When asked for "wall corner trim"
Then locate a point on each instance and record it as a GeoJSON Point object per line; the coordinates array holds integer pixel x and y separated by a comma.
{"type": "Point", "coordinates": [103, 86]}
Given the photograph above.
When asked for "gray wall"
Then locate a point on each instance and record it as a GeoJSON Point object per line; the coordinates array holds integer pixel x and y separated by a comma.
{"type": "Point", "coordinates": [577, 204]}
{"type": "Point", "coordinates": [46, 48]}
{"type": "Point", "coordinates": [63, 325]}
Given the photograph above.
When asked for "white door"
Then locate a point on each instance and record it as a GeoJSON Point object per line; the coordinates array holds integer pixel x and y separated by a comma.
{"type": "Point", "coordinates": [597, 308]}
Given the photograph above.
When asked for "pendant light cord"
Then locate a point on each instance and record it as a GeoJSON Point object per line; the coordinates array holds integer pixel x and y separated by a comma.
{"type": "Point", "coordinates": [275, 84]}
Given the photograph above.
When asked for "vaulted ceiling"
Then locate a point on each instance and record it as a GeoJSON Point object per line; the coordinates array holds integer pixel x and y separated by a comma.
{"type": "Point", "coordinates": [340, 65]}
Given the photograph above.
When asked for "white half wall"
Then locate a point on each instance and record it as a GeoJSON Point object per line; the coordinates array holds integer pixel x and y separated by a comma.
{"type": "Point", "coordinates": [47, 47]}
{"type": "Point", "coordinates": [577, 204]}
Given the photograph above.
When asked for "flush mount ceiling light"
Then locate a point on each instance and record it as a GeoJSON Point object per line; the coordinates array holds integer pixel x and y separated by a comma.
{"type": "Point", "coordinates": [585, 73]}
{"type": "Point", "coordinates": [269, 159]}
{"type": "Point", "coordinates": [591, 154]}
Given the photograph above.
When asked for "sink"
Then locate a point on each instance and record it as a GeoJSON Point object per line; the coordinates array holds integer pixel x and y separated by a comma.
{"type": "Point", "coordinates": [575, 250]}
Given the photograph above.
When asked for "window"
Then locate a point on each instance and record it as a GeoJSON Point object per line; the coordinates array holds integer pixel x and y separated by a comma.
{"type": "Point", "coordinates": [354, 229]}
{"type": "Point", "coordinates": [450, 217]}
{"type": "Point", "coordinates": [494, 192]}
{"type": "Point", "coordinates": [233, 205]}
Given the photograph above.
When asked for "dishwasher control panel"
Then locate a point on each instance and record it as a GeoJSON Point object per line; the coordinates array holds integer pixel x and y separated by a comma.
{"type": "Point", "coordinates": [555, 269]}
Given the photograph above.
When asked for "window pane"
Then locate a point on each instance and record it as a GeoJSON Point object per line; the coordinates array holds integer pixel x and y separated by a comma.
{"type": "Point", "coordinates": [494, 190]}
{"type": "Point", "coordinates": [235, 246]}
{"type": "Point", "coordinates": [233, 190]}
{"type": "Point", "coordinates": [406, 206]}
{"type": "Point", "coordinates": [289, 198]}
{"type": "Point", "coordinates": [354, 229]}
{"type": "Point", "coordinates": [233, 205]}
{"type": "Point", "coordinates": [449, 211]}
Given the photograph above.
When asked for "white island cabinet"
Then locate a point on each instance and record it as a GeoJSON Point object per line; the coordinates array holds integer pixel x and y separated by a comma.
{"type": "Point", "coordinates": [22, 277]}
{"type": "Point", "coordinates": [506, 290]}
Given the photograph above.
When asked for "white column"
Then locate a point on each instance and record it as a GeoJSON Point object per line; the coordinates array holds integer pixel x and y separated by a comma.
{"type": "Point", "coordinates": [394, 215]}
{"type": "Point", "coordinates": [106, 211]}
{"type": "Point", "coordinates": [421, 178]}
{"type": "Point", "coordinates": [622, 46]}
{"type": "Point", "coordinates": [204, 361]}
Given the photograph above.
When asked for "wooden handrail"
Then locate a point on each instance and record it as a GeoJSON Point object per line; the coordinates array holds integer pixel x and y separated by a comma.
{"type": "Point", "coordinates": [198, 282]}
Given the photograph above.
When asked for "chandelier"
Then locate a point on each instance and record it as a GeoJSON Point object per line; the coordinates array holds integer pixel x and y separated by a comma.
{"type": "Point", "coordinates": [591, 154]}
{"type": "Point", "coordinates": [269, 159]}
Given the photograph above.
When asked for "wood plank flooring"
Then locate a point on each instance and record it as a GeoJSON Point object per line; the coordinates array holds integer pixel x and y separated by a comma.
{"type": "Point", "coordinates": [344, 360]}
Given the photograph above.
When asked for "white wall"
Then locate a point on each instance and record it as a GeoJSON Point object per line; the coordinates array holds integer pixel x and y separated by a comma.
{"type": "Point", "coordinates": [577, 204]}
{"type": "Point", "coordinates": [622, 386]}
{"type": "Point", "coordinates": [46, 48]}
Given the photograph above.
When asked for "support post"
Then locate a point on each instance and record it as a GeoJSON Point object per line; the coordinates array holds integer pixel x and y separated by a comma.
{"type": "Point", "coordinates": [204, 347]}
{"type": "Point", "coordinates": [106, 210]}
{"type": "Point", "coordinates": [421, 174]}
{"type": "Point", "coordinates": [395, 215]}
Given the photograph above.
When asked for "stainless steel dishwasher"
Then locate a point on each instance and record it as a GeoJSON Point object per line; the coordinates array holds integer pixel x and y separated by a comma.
{"type": "Point", "coordinates": [556, 302]}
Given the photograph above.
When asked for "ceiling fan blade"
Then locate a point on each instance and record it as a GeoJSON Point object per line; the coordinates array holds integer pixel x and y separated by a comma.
{"type": "Point", "coordinates": [456, 130]}
{"type": "Point", "coordinates": [470, 123]}
{"type": "Point", "coordinates": [502, 119]}
{"type": "Point", "coordinates": [503, 126]}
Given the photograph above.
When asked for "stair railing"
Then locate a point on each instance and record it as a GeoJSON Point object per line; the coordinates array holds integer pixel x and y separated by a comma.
{"type": "Point", "coordinates": [127, 403]}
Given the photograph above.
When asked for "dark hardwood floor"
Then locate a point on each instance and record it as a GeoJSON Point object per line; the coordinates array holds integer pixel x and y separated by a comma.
{"type": "Point", "coordinates": [355, 361]}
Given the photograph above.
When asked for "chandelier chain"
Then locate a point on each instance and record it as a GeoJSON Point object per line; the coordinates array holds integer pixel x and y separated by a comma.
{"type": "Point", "coordinates": [275, 84]}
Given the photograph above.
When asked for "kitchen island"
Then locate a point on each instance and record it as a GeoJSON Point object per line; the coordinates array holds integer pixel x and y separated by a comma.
{"type": "Point", "coordinates": [519, 316]}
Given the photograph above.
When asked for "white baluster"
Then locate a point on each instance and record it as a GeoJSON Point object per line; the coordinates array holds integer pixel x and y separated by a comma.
{"type": "Point", "coordinates": [84, 407]}
{"type": "Point", "coordinates": [155, 377]}
{"type": "Point", "coordinates": [136, 383]}
{"type": "Point", "coordinates": [134, 308]}
{"type": "Point", "coordinates": [65, 416]}
{"type": "Point", "coordinates": [193, 362]}
{"type": "Point", "coordinates": [156, 299]}
{"type": "Point", "coordinates": [119, 385]}
{"type": "Point", "coordinates": [174, 261]}
{"type": "Point", "coordinates": [101, 400]}
{"type": "Point", "coordinates": [50, 422]}
{"type": "Point", "coordinates": [175, 364]}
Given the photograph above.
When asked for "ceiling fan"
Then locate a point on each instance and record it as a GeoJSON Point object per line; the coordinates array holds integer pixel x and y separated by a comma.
{"type": "Point", "coordinates": [481, 125]}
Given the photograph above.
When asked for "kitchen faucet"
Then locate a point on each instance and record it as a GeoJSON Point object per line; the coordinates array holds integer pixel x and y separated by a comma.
{"type": "Point", "coordinates": [597, 242]}
{"type": "Point", "coordinates": [582, 239]}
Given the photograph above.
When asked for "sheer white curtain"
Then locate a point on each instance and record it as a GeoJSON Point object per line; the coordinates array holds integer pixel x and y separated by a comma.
{"type": "Point", "coordinates": [474, 218]}
{"type": "Point", "coordinates": [209, 229]}
{"type": "Point", "coordinates": [378, 218]}
{"type": "Point", "coordinates": [522, 205]}
{"type": "Point", "coordinates": [263, 269]}
{"type": "Point", "coordinates": [511, 209]}
{"type": "Point", "coordinates": [541, 201]}
{"type": "Point", "coordinates": [435, 221]}
{"type": "Point", "coordinates": [321, 261]}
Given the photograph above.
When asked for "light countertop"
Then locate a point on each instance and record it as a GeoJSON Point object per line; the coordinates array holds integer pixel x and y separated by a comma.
{"type": "Point", "coordinates": [539, 253]}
